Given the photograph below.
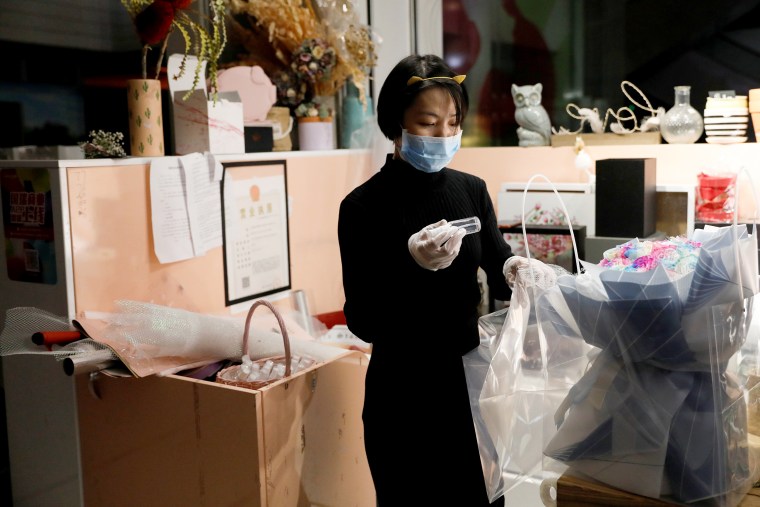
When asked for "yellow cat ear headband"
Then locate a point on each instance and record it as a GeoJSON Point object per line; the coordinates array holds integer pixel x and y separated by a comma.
{"type": "Point", "coordinates": [415, 79]}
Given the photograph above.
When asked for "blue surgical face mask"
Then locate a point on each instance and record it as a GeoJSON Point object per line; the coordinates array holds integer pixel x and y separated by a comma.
{"type": "Point", "coordinates": [429, 154]}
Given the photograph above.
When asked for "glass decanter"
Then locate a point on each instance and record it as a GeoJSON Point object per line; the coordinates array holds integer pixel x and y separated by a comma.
{"type": "Point", "coordinates": [682, 124]}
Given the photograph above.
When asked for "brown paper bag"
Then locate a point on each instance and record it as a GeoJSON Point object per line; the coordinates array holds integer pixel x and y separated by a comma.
{"type": "Point", "coordinates": [283, 125]}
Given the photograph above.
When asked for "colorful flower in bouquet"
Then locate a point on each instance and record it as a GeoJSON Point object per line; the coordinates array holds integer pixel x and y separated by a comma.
{"type": "Point", "coordinates": [677, 254]}
{"type": "Point", "coordinates": [156, 20]}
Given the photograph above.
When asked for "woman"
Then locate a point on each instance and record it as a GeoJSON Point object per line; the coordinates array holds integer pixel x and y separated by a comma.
{"type": "Point", "coordinates": [411, 287]}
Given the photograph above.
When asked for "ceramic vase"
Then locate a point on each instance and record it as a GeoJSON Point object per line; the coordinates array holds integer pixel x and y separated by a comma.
{"type": "Point", "coordinates": [354, 117]}
{"type": "Point", "coordinates": [315, 133]}
{"type": "Point", "coordinates": [682, 124]}
{"type": "Point", "coordinates": [146, 123]}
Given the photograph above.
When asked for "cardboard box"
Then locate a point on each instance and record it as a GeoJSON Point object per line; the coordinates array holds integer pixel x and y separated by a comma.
{"type": "Point", "coordinates": [178, 441]}
{"type": "Point", "coordinates": [200, 123]}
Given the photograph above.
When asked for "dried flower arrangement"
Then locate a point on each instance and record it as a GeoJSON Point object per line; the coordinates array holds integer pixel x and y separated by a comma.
{"type": "Point", "coordinates": [313, 109]}
{"type": "Point", "coordinates": [290, 91]}
{"type": "Point", "coordinates": [156, 20]}
{"type": "Point", "coordinates": [103, 144]}
{"type": "Point", "coordinates": [313, 61]}
{"type": "Point", "coordinates": [278, 34]}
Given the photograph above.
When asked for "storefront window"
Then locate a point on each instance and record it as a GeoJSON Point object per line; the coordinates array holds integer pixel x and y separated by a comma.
{"type": "Point", "coordinates": [498, 44]}
{"type": "Point", "coordinates": [581, 51]}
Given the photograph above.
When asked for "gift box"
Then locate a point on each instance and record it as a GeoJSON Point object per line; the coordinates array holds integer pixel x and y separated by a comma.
{"type": "Point", "coordinates": [202, 123]}
{"type": "Point", "coordinates": [258, 138]}
{"type": "Point", "coordinates": [258, 95]}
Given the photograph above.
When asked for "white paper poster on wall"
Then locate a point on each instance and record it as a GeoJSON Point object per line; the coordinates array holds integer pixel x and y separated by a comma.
{"type": "Point", "coordinates": [185, 206]}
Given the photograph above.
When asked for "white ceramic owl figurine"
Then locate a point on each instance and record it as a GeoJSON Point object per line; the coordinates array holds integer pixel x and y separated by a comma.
{"type": "Point", "coordinates": [535, 128]}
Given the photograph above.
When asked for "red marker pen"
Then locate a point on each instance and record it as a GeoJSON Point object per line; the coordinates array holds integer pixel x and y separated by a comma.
{"type": "Point", "coordinates": [50, 338]}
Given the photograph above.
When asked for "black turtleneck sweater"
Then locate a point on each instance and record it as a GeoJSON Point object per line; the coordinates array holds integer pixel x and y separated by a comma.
{"type": "Point", "coordinates": [383, 284]}
{"type": "Point", "coordinates": [420, 323]}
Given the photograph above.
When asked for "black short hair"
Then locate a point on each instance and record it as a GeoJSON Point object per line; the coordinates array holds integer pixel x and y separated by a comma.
{"type": "Point", "coordinates": [396, 96]}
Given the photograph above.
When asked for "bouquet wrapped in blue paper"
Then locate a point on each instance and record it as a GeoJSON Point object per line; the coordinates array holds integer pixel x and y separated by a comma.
{"type": "Point", "coordinates": [661, 409]}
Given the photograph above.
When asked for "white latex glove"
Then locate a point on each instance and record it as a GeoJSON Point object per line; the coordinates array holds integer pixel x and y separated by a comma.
{"type": "Point", "coordinates": [518, 270]}
{"type": "Point", "coordinates": [437, 245]}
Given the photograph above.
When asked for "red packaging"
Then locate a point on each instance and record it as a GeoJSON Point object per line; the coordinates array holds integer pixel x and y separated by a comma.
{"type": "Point", "coordinates": [716, 197]}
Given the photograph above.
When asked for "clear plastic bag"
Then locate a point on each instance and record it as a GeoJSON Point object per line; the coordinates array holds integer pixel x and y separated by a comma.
{"type": "Point", "coordinates": [647, 382]}
{"type": "Point", "coordinates": [662, 410]}
{"type": "Point", "coordinates": [512, 395]}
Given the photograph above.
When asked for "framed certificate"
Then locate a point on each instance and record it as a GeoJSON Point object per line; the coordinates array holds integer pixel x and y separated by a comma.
{"type": "Point", "coordinates": [255, 230]}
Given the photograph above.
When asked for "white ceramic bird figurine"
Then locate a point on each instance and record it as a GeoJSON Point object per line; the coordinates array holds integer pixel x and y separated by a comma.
{"type": "Point", "coordinates": [535, 128]}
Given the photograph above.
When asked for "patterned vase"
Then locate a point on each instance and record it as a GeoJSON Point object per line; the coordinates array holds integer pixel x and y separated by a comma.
{"type": "Point", "coordinates": [146, 123]}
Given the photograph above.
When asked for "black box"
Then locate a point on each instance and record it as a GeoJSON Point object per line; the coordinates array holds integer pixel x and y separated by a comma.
{"type": "Point", "coordinates": [626, 197]}
{"type": "Point", "coordinates": [258, 138]}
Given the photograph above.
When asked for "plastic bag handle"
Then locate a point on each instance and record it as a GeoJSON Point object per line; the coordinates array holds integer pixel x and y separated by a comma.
{"type": "Point", "coordinates": [737, 250]}
{"type": "Point", "coordinates": [541, 338]}
{"type": "Point", "coordinates": [283, 330]}
{"type": "Point", "coordinates": [564, 210]}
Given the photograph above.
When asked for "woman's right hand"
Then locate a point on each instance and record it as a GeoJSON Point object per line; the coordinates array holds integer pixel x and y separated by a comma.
{"type": "Point", "coordinates": [436, 245]}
